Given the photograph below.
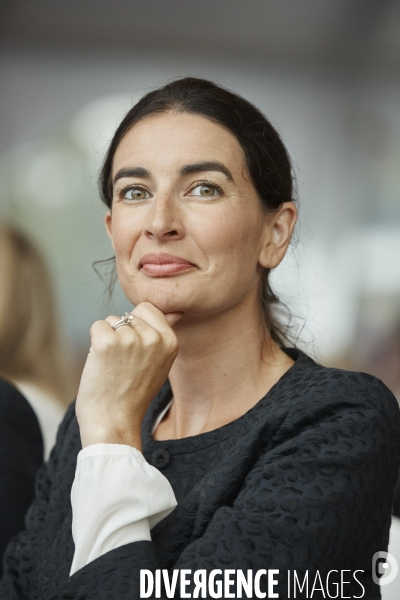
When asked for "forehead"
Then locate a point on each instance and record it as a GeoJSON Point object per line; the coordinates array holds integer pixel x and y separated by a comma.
{"type": "Point", "coordinates": [172, 139]}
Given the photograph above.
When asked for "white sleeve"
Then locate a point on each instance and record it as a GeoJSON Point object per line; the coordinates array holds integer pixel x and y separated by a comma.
{"type": "Point", "coordinates": [116, 497]}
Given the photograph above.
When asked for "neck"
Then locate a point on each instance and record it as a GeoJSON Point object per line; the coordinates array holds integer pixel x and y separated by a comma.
{"type": "Point", "coordinates": [226, 364]}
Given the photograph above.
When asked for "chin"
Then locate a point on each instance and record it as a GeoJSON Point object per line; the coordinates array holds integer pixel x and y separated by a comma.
{"type": "Point", "coordinates": [162, 301]}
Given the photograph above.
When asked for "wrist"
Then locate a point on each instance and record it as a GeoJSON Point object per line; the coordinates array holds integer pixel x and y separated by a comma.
{"type": "Point", "coordinates": [111, 435]}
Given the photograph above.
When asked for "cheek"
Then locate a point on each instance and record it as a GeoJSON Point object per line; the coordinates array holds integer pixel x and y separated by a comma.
{"type": "Point", "coordinates": [233, 239]}
{"type": "Point", "coordinates": [124, 236]}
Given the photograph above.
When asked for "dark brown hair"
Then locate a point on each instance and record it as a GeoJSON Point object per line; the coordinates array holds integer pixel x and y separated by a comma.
{"type": "Point", "coordinates": [267, 159]}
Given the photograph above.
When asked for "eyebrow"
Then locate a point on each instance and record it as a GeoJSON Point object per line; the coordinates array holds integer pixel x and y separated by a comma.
{"type": "Point", "coordinates": [206, 166]}
{"type": "Point", "coordinates": [131, 172]}
{"type": "Point", "coordinates": [199, 167]}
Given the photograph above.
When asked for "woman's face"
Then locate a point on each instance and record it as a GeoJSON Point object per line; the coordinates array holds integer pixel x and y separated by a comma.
{"type": "Point", "coordinates": [186, 224]}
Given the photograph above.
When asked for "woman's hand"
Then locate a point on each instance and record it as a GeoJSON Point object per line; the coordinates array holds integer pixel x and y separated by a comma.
{"type": "Point", "coordinates": [124, 370]}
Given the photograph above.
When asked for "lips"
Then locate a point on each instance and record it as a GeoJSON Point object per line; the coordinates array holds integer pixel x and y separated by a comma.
{"type": "Point", "coordinates": [161, 265]}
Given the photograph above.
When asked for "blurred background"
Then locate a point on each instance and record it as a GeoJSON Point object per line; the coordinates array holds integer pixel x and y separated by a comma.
{"type": "Point", "coordinates": [325, 73]}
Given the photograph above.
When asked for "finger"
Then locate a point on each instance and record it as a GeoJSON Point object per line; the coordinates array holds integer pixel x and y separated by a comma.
{"type": "Point", "coordinates": [101, 329]}
{"type": "Point", "coordinates": [106, 336]}
{"type": "Point", "coordinates": [112, 319]}
{"type": "Point", "coordinates": [173, 317]}
{"type": "Point", "coordinates": [152, 315]}
{"type": "Point", "coordinates": [102, 336]}
{"type": "Point", "coordinates": [153, 327]}
{"type": "Point", "coordinates": [150, 336]}
{"type": "Point", "coordinates": [140, 327]}
{"type": "Point", "coordinates": [147, 333]}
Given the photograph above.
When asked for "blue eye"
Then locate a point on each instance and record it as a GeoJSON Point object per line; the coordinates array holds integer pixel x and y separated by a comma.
{"type": "Point", "coordinates": [206, 190]}
{"type": "Point", "coordinates": [136, 193]}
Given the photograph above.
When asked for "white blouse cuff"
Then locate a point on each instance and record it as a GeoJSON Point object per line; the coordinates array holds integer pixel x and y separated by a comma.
{"type": "Point", "coordinates": [117, 498]}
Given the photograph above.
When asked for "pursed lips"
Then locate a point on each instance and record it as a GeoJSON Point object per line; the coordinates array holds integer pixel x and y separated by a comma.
{"type": "Point", "coordinates": [164, 264]}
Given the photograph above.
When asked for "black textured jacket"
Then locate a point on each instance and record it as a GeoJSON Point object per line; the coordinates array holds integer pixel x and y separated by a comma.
{"type": "Point", "coordinates": [303, 481]}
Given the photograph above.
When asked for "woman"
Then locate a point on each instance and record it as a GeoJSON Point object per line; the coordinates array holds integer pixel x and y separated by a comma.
{"type": "Point", "coordinates": [31, 351]}
{"type": "Point", "coordinates": [251, 457]}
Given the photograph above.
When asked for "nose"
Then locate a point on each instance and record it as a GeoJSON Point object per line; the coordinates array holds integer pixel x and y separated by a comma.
{"type": "Point", "coordinates": [164, 221]}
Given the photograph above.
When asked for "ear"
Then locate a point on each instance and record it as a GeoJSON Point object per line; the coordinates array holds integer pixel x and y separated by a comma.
{"type": "Point", "coordinates": [108, 226]}
{"type": "Point", "coordinates": [278, 232]}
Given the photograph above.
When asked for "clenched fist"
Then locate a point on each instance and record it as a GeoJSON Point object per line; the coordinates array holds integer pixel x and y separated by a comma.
{"type": "Point", "coordinates": [124, 370]}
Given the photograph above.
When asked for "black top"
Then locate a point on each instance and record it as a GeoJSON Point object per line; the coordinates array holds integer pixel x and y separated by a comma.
{"type": "Point", "coordinates": [396, 502]}
{"type": "Point", "coordinates": [302, 481]}
{"type": "Point", "coordinates": [21, 454]}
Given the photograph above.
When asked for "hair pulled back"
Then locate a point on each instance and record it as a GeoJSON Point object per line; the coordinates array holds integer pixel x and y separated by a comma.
{"type": "Point", "coordinates": [267, 159]}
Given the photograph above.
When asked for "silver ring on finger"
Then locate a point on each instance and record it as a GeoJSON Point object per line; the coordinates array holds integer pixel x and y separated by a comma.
{"type": "Point", "coordinates": [125, 320]}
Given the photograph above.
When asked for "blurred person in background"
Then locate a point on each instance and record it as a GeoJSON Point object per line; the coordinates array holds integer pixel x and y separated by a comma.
{"type": "Point", "coordinates": [31, 353]}
{"type": "Point", "coordinates": [35, 386]}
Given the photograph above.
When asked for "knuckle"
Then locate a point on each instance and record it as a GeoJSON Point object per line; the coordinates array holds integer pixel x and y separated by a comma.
{"type": "Point", "coordinates": [152, 338]}
{"type": "Point", "coordinates": [95, 327]}
{"type": "Point", "coordinates": [112, 318]}
{"type": "Point", "coordinates": [129, 341]}
{"type": "Point", "coordinates": [172, 345]}
{"type": "Point", "coordinates": [105, 344]}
